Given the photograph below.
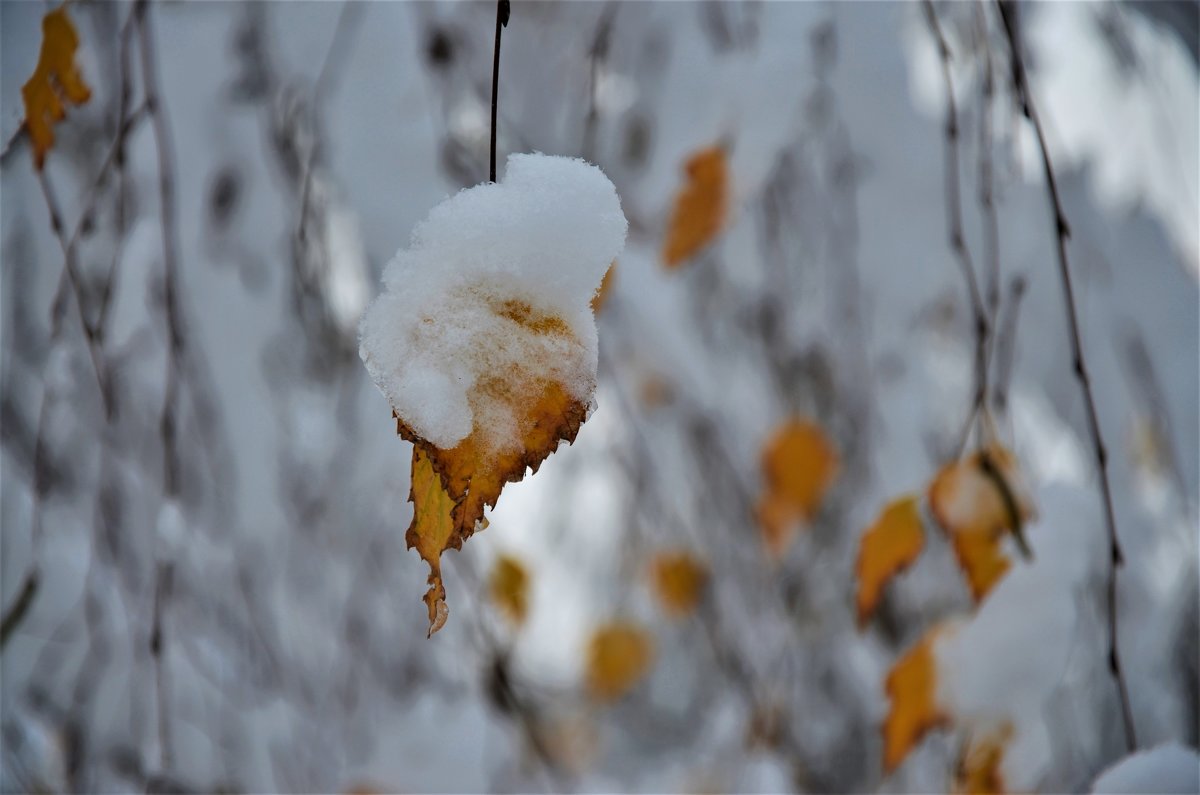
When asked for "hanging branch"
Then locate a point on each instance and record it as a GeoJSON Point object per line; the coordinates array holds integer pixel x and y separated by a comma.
{"type": "Point", "coordinates": [1062, 232]}
{"type": "Point", "coordinates": [991, 224]}
{"type": "Point", "coordinates": [954, 225]}
{"type": "Point", "coordinates": [503, 8]}
{"type": "Point", "coordinates": [169, 414]}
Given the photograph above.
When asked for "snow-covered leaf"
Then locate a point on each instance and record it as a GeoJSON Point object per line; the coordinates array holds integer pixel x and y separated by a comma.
{"type": "Point", "coordinates": [978, 501]}
{"type": "Point", "coordinates": [484, 340]}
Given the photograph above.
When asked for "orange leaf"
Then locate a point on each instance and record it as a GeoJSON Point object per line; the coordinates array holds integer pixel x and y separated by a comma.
{"type": "Point", "coordinates": [978, 770]}
{"type": "Point", "coordinates": [55, 79]}
{"type": "Point", "coordinates": [475, 470]}
{"type": "Point", "coordinates": [799, 465]}
{"type": "Point", "coordinates": [431, 531]}
{"type": "Point", "coordinates": [912, 688]}
{"type": "Point", "coordinates": [700, 207]}
{"type": "Point", "coordinates": [618, 656]}
{"type": "Point", "coordinates": [604, 289]}
{"type": "Point", "coordinates": [509, 588]}
{"type": "Point", "coordinates": [679, 580]}
{"type": "Point", "coordinates": [978, 501]}
{"type": "Point", "coordinates": [888, 547]}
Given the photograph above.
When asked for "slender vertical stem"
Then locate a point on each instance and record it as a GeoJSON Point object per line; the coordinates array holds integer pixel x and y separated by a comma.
{"type": "Point", "coordinates": [1062, 232]}
{"type": "Point", "coordinates": [954, 228]}
{"type": "Point", "coordinates": [503, 8]}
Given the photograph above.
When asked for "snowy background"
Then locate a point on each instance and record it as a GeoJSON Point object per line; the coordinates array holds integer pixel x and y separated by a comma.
{"type": "Point", "coordinates": [229, 606]}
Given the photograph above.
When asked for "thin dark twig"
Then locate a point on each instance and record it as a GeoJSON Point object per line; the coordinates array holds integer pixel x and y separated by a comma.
{"type": "Point", "coordinates": [1062, 232]}
{"type": "Point", "coordinates": [168, 421]}
{"type": "Point", "coordinates": [169, 414]}
{"type": "Point", "coordinates": [320, 87]}
{"type": "Point", "coordinates": [596, 56]}
{"type": "Point", "coordinates": [162, 589]}
{"type": "Point", "coordinates": [1006, 343]}
{"type": "Point", "coordinates": [75, 282]}
{"type": "Point", "coordinates": [991, 224]}
{"type": "Point", "coordinates": [10, 144]}
{"type": "Point", "coordinates": [122, 198]}
{"type": "Point", "coordinates": [954, 226]}
{"type": "Point", "coordinates": [503, 9]}
{"type": "Point", "coordinates": [20, 606]}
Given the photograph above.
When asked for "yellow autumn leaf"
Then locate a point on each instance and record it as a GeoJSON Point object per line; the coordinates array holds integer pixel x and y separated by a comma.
{"type": "Point", "coordinates": [431, 531]}
{"type": "Point", "coordinates": [978, 501]}
{"type": "Point", "coordinates": [679, 580]}
{"type": "Point", "coordinates": [474, 471]}
{"type": "Point", "coordinates": [508, 587]}
{"type": "Point", "coordinates": [618, 655]}
{"type": "Point", "coordinates": [889, 546]}
{"type": "Point", "coordinates": [978, 770]}
{"type": "Point", "coordinates": [799, 465]}
{"type": "Point", "coordinates": [604, 289]}
{"type": "Point", "coordinates": [55, 80]}
{"type": "Point", "coordinates": [911, 687]}
{"type": "Point", "coordinates": [700, 207]}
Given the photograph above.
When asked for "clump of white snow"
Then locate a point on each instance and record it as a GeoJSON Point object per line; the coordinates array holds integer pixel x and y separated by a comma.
{"type": "Point", "coordinates": [497, 279]}
{"type": "Point", "coordinates": [1170, 767]}
{"type": "Point", "coordinates": [1032, 637]}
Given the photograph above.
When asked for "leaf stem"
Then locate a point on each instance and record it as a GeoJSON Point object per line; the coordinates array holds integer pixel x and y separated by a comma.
{"type": "Point", "coordinates": [503, 8]}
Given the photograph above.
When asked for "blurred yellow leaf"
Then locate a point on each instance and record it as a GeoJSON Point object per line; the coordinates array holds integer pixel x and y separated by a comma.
{"type": "Point", "coordinates": [799, 465]}
{"type": "Point", "coordinates": [978, 501]}
{"type": "Point", "coordinates": [655, 391]}
{"type": "Point", "coordinates": [978, 770]}
{"type": "Point", "coordinates": [604, 289]}
{"type": "Point", "coordinates": [55, 79]}
{"type": "Point", "coordinates": [473, 472]}
{"type": "Point", "coordinates": [887, 548]}
{"type": "Point", "coordinates": [618, 655]}
{"type": "Point", "coordinates": [700, 207]}
{"type": "Point", "coordinates": [911, 686]}
{"type": "Point", "coordinates": [679, 580]}
{"type": "Point", "coordinates": [509, 588]}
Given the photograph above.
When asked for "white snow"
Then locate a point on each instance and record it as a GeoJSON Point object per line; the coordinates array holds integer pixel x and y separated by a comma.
{"type": "Point", "coordinates": [1169, 767]}
{"type": "Point", "coordinates": [542, 238]}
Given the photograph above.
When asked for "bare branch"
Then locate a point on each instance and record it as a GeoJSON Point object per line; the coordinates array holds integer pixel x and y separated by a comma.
{"type": "Point", "coordinates": [1062, 232]}
{"type": "Point", "coordinates": [954, 227]}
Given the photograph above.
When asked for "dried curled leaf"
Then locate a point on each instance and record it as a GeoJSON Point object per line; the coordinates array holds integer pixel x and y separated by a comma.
{"type": "Point", "coordinates": [474, 471]}
{"type": "Point", "coordinates": [978, 501]}
{"type": "Point", "coordinates": [618, 655]}
{"type": "Point", "coordinates": [55, 80]}
{"type": "Point", "coordinates": [799, 465]}
{"type": "Point", "coordinates": [700, 207]}
{"type": "Point", "coordinates": [679, 580]}
{"type": "Point", "coordinates": [889, 546]}
{"type": "Point", "coordinates": [911, 686]}
{"type": "Point", "coordinates": [509, 588]}
{"type": "Point", "coordinates": [431, 532]}
{"type": "Point", "coordinates": [978, 770]}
